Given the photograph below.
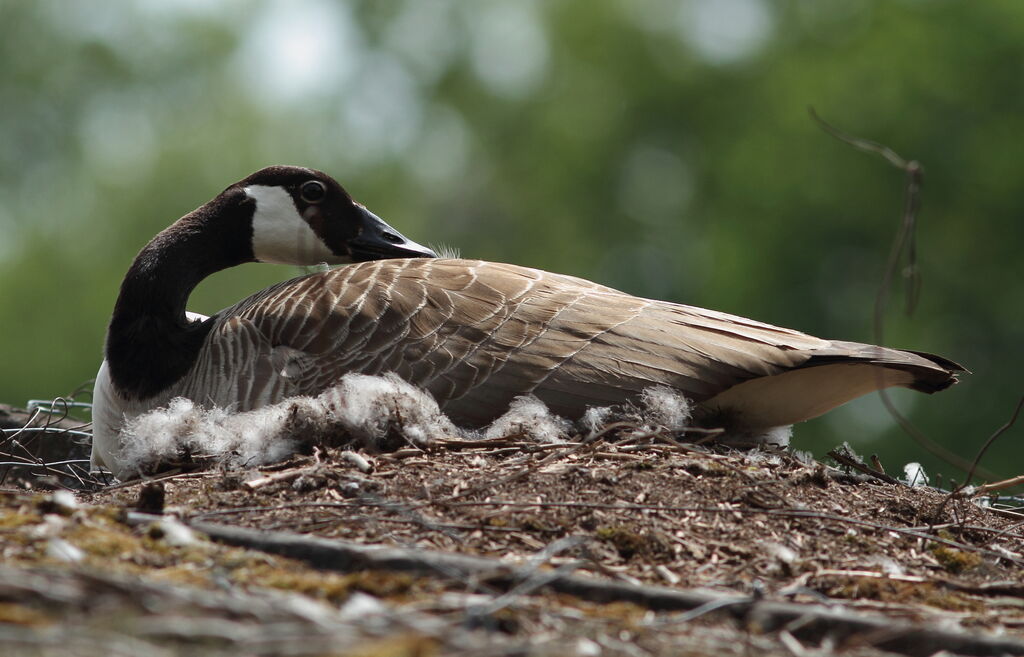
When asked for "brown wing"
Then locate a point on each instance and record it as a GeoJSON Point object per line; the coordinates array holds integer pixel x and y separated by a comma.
{"type": "Point", "coordinates": [477, 334]}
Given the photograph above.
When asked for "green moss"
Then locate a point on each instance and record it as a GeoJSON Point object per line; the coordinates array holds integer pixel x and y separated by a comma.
{"type": "Point", "coordinates": [105, 543]}
{"type": "Point", "coordinates": [406, 645]}
{"type": "Point", "coordinates": [15, 614]}
{"type": "Point", "coordinates": [897, 591]}
{"type": "Point", "coordinates": [184, 574]}
{"type": "Point", "coordinates": [14, 518]}
{"type": "Point", "coordinates": [627, 614]}
{"type": "Point", "coordinates": [332, 587]}
{"type": "Point", "coordinates": [857, 542]}
{"type": "Point", "coordinates": [532, 523]}
{"type": "Point", "coordinates": [627, 541]}
{"type": "Point", "coordinates": [954, 560]}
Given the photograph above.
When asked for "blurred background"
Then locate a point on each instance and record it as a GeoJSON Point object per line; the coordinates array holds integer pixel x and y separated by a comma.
{"type": "Point", "coordinates": [663, 148]}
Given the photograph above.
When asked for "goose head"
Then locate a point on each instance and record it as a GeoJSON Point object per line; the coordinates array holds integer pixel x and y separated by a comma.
{"type": "Point", "coordinates": [280, 214]}
{"type": "Point", "coordinates": [302, 217]}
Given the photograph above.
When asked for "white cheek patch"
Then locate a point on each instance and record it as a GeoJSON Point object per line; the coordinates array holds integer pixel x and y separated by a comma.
{"type": "Point", "coordinates": [279, 234]}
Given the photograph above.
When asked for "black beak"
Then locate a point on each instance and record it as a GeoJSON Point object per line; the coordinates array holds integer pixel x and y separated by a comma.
{"type": "Point", "coordinates": [377, 240]}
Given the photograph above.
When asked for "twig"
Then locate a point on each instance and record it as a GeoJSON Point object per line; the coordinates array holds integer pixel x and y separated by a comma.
{"type": "Point", "coordinates": [857, 465]}
{"type": "Point", "coordinates": [455, 444]}
{"type": "Point", "coordinates": [990, 588]}
{"type": "Point", "coordinates": [917, 532]}
{"type": "Point", "coordinates": [987, 488]}
{"type": "Point", "coordinates": [999, 485]}
{"type": "Point", "coordinates": [991, 439]}
{"type": "Point", "coordinates": [906, 237]}
{"type": "Point", "coordinates": [859, 142]}
{"type": "Point", "coordinates": [287, 475]}
{"type": "Point", "coordinates": [279, 477]}
{"type": "Point", "coordinates": [904, 242]}
{"type": "Point", "coordinates": [794, 513]}
{"type": "Point", "coordinates": [536, 579]}
{"type": "Point", "coordinates": [809, 622]}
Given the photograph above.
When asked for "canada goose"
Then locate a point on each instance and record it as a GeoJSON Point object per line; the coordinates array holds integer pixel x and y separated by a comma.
{"type": "Point", "coordinates": [474, 334]}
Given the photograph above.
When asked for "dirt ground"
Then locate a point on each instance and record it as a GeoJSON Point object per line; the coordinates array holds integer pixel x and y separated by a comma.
{"type": "Point", "coordinates": [758, 533]}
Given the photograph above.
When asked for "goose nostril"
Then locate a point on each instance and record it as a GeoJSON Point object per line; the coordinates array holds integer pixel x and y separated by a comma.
{"type": "Point", "coordinates": [392, 237]}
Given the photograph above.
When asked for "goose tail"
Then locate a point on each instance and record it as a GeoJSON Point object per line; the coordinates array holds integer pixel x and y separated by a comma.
{"type": "Point", "coordinates": [830, 377]}
{"type": "Point", "coordinates": [930, 373]}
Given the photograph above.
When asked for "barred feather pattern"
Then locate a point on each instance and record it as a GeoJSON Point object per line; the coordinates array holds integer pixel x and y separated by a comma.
{"type": "Point", "coordinates": [477, 334]}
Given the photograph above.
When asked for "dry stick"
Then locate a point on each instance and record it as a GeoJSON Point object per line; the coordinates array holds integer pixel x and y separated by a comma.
{"type": "Point", "coordinates": [922, 532]}
{"type": "Point", "coordinates": [795, 513]}
{"type": "Point", "coordinates": [1008, 531]}
{"type": "Point", "coordinates": [459, 444]}
{"type": "Point", "coordinates": [1000, 485]}
{"type": "Point", "coordinates": [1005, 588]}
{"type": "Point", "coordinates": [413, 514]}
{"type": "Point", "coordinates": [287, 475]}
{"type": "Point", "coordinates": [165, 476]}
{"type": "Point", "coordinates": [810, 622]}
{"type": "Point", "coordinates": [280, 477]}
{"type": "Point", "coordinates": [987, 488]}
{"type": "Point", "coordinates": [905, 240]}
{"type": "Point", "coordinates": [166, 614]}
{"type": "Point", "coordinates": [314, 524]}
{"type": "Point", "coordinates": [857, 465]}
{"type": "Point", "coordinates": [537, 578]}
{"type": "Point", "coordinates": [991, 439]}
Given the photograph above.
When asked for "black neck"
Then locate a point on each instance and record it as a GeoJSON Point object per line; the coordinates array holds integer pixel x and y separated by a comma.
{"type": "Point", "coordinates": [150, 344]}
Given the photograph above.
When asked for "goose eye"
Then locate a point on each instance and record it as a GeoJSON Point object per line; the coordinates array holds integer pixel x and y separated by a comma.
{"type": "Point", "coordinates": [312, 191]}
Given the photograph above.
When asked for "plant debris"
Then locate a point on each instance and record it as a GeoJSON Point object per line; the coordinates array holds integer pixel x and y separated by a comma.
{"type": "Point", "coordinates": [627, 544]}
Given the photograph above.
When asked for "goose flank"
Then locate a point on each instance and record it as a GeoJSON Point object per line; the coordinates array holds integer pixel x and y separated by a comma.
{"type": "Point", "coordinates": [474, 334]}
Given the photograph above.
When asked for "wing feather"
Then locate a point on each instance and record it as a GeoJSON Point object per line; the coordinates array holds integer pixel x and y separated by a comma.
{"type": "Point", "coordinates": [477, 334]}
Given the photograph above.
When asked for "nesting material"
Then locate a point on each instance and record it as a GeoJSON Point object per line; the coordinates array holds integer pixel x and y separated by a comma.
{"type": "Point", "coordinates": [372, 410]}
{"type": "Point", "coordinates": [377, 412]}
{"type": "Point", "coordinates": [658, 408]}
{"type": "Point", "coordinates": [777, 436]}
{"type": "Point", "coordinates": [380, 412]}
{"type": "Point", "coordinates": [666, 407]}
{"type": "Point", "coordinates": [184, 428]}
{"type": "Point", "coordinates": [528, 416]}
{"type": "Point", "coordinates": [914, 475]}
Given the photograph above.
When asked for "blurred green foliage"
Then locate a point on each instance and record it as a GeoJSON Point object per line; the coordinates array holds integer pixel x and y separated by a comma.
{"type": "Point", "coordinates": [663, 148]}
